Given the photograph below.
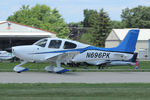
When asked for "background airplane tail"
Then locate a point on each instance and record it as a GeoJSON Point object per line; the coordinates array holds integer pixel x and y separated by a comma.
{"type": "Point", "coordinates": [129, 42]}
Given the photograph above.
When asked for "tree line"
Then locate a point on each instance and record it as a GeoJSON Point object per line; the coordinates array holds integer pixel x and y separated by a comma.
{"type": "Point", "coordinates": [94, 28]}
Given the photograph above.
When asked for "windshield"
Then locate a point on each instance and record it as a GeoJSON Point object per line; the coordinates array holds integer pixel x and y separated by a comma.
{"type": "Point", "coordinates": [41, 43]}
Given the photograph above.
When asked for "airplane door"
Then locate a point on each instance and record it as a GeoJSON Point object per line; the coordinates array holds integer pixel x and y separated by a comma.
{"type": "Point", "coordinates": [40, 47]}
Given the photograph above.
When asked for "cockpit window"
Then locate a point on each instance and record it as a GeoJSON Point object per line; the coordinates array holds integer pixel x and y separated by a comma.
{"type": "Point", "coordinates": [55, 44]}
{"type": "Point", "coordinates": [69, 45]}
{"type": "Point", "coordinates": [41, 43]}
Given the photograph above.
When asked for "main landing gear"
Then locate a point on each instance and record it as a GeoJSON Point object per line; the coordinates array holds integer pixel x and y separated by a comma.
{"type": "Point", "coordinates": [57, 69]}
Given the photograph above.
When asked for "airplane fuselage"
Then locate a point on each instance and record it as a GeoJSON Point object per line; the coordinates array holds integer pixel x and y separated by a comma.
{"type": "Point", "coordinates": [35, 53]}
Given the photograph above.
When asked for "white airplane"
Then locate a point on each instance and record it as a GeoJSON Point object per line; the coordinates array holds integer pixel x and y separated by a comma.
{"type": "Point", "coordinates": [56, 50]}
{"type": "Point", "coordinates": [4, 55]}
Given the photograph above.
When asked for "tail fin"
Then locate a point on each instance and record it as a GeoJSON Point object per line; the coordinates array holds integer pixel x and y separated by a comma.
{"type": "Point", "coordinates": [133, 59]}
{"type": "Point", "coordinates": [129, 42]}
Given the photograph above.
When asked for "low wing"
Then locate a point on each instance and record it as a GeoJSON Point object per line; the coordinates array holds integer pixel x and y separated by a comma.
{"type": "Point", "coordinates": [96, 62]}
{"type": "Point", "coordinates": [63, 58]}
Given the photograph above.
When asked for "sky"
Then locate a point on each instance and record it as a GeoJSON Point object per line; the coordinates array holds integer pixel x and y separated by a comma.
{"type": "Point", "coordinates": [72, 10]}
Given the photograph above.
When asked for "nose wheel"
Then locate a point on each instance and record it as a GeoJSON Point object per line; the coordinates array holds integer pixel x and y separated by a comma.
{"type": "Point", "coordinates": [20, 69]}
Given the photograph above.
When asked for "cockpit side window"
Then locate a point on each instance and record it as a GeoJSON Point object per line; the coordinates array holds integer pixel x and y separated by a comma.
{"type": "Point", "coordinates": [41, 43]}
{"type": "Point", "coordinates": [55, 44]}
{"type": "Point", "coordinates": [69, 45]}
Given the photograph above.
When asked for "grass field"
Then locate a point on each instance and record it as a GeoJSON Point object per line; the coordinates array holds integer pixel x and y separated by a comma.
{"type": "Point", "coordinates": [65, 91]}
{"type": "Point", "coordinates": [8, 66]}
{"type": "Point", "coordinates": [68, 91]}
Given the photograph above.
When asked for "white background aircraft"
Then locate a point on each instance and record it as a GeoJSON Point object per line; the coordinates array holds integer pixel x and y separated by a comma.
{"type": "Point", "coordinates": [4, 55]}
{"type": "Point", "coordinates": [56, 50]}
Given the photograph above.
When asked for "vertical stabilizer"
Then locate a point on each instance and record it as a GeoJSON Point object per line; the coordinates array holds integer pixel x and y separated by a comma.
{"type": "Point", "coordinates": [129, 42]}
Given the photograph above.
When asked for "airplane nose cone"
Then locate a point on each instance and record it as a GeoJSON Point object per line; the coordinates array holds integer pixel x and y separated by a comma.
{"type": "Point", "coordinates": [23, 52]}
{"type": "Point", "coordinates": [15, 51]}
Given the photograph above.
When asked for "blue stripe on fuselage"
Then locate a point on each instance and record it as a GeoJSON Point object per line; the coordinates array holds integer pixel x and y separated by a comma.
{"type": "Point", "coordinates": [83, 50]}
{"type": "Point", "coordinates": [63, 51]}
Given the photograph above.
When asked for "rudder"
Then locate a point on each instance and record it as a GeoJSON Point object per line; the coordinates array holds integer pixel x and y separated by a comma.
{"type": "Point", "coordinates": [129, 42]}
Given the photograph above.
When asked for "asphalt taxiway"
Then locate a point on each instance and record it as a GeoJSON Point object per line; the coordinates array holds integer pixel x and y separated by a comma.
{"type": "Point", "coordinates": [75, 77]}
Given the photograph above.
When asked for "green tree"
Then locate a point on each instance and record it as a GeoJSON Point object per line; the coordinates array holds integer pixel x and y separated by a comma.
{"type": "Point", "coordinates": [138, 17]}
{"type": "Point", "coordinates": [76, 30]}
{"type": "Point", "coordinates": [98, 24]}
{"type": "Point", "coordinates": [41, 16]}
{"type": "Point", "coordinates": [79, 24]}
{"type": "Point", "coordinates": [90, 17]}
{"type": "Point", "coordinates": [117, 24]}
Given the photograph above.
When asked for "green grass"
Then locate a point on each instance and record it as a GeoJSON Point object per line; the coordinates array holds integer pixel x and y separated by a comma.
{"type": "Point", "coordinates": [68, 91]}
{"type": "Point", "coordinates": [8, 66]}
